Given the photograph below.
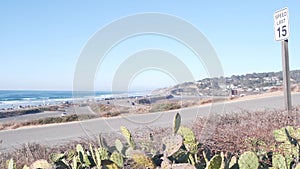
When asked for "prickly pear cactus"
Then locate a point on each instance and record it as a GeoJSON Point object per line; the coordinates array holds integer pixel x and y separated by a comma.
{"type": "Point", "coordinates": [288, 137]}
{"type": "Point", "coordinates": [290, 151]}
{"type": "Point", "coordinates": [79, 148]}
{"type": "Point", "coordinates": [284, 134]}
{"type": "Point", "coordinates": [111, 165]}
{"type": "Point", "coordinates": [233, 162]}
{"type": "Point", "coordinates": [41, 164]}
{"type": "Point", "coordinates": [278, 161]}
{"type": "Point", "coordinates": [126, 133]}
{"type": "Point", "coordinates": [97, 158]}
{"type": "Point", "coordinates": [176, 123]}
{"type": "Point", "coordinates": [187, 134]}
{"type": "Point", "coordinates": [141, 160]}
{"type": "Point", "coordinates": [119, 146]}
{"type": "Point", "coordinates": [215, 162]}
{"type": "Point", "coordinates": [92, 153]}
{"type": "Point", "coordinates": [70, 154]}
{"type": "Point", "coordinates": [279, 135]}
{"type": "Point", "coordinates": [205, 157]}
{"type": "Point", "coordinates": [82, 156]}
{"type": "Point", "coordinates": [128, 152]}
{"type": "Point", "coordinates": [189, 139]}
{"type": "Point", "coordinates": [103, 152]}
{"type": "Point", "coordinates": [172, 144]}
{"type": "Point", "coordinates": [56, 157]}
{"type": "Point", "coordinates": [25, 167]}
{"type": "Point", "coordinates": [117, 158]}
{"type": "Point", "coordinates": [248, 160]}
{"type": "Point", "coordinates": [223, 161]}
{"type": "Point", "coordinates": [74, 162]}
{"type": "Point", "coordinates": [11, 164]}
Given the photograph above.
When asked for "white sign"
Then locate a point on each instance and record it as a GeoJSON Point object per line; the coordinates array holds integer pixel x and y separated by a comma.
{"type": "Point", "coordinates": [281, 24]}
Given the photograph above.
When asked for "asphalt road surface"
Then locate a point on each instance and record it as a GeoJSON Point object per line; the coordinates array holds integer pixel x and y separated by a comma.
{"type": "Point", "coordinates": [58, 133]}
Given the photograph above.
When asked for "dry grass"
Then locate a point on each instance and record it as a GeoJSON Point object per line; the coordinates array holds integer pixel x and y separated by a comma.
{"type": "Point", "coordinates": [28, 153]}
{"type": "Point", "coordinates": [234, 134]}
{"type": "Point", "coordinates": [165, 107]}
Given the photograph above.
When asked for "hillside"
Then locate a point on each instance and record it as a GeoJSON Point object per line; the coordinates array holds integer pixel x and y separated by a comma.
{"type": "Point", "coordinates": [247, 84]}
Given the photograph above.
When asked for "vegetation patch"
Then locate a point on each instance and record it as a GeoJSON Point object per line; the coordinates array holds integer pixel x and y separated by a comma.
{"type": "Point", "coordinates": [267, 139]}
{"type": "Point", "coordinates": [12, 113]}
{"type": "Point", "coordinates": [47, 120]}
{"type": "Point", "coordinates": [165, 107]}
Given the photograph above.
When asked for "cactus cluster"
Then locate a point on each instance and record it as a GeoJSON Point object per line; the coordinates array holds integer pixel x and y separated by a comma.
{"type": "Point", "coordinates": [248, 160]}
{"type": "Point", "coordinates": [180, 150]}
{"type": "Point", "coordinates": [95, 157]}
{"type": "Point", "coordinates": [287, 156]}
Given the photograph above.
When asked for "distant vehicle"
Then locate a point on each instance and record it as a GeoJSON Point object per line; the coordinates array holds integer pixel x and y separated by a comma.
{"type": "Point", "coordinates": [63, 114]}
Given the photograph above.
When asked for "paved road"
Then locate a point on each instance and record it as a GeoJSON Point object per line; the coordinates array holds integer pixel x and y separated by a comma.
{"type": "Point", "coordinates": [56, 133]}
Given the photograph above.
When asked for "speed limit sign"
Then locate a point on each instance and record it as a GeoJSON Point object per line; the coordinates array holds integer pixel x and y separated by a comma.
{"type": "Point", "coordinates": [281, 24]}
{"type": "Point", "coordinates": [282, 33]}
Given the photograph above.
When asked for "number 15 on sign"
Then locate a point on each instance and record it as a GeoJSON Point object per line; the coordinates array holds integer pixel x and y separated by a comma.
{"type": "Point", "coordinates": [281, 24]}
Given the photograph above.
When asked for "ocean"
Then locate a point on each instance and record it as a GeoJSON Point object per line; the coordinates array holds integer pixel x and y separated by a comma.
{"type": "Point", "coordinates": [10, 99]}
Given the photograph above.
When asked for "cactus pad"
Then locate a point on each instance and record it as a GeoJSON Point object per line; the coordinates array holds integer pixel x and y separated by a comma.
{"type": "Point", "coordinates": [79, 148]}
{"type": "Point", "coordinates": [284, 134]}
{"type": "Point", "coordinates": [142, 160]}
{"type": "Point", "coordinates": [25, 167]}
{"type": "Point", "coordinates": [126, 133]}
{"type": "Point", "coordinates": [176, 123]}
{"type": "Point", "coordinates": [187, 134]}
{"type": "Point", "coordinates": [233, 162]}
{"type": "Point", "coordinates": [189, 139]}
{"type": "Point", "coordinates": [56, 157]}
{"type": "Point", "coordinates": [119, 146]}
{"type": "Point", "coordinates": [215, 162]}
{"type": "Point", "coordinates": [117, 158]}
{"type": "Point", "coordinates": [248, 160]}
{"type": "Point", "coordinates": [11, 164]}
{"type": "Point", "coordinates": [41, 164]}
{"type": "Point", "coordinates": [278, 161]}
{"type": "Point", "coordinates": [103, 153]}
{"type": "Point", "coordinates": [172, 144]}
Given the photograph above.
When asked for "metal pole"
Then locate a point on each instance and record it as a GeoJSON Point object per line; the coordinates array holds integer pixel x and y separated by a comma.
{"type": "Point", "coordinates": [286, 75]}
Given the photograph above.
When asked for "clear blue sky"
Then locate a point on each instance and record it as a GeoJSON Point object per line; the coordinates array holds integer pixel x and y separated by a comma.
{"type": "Point", "coordinates": [42, 40]}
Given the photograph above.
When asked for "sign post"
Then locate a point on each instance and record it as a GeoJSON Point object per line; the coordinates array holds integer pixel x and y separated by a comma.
{"type": "Point", "coordinates": [282, 33]}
